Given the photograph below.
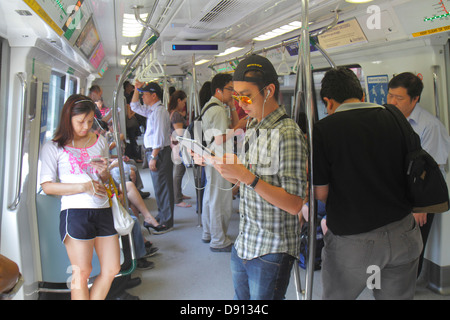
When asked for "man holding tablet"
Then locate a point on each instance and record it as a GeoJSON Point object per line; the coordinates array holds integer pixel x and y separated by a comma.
{"type": "Point", "coordinates": [272, 172]}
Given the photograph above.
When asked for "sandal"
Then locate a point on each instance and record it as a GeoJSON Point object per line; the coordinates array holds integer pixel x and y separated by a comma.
{"type": "Point", "coordinates": [183, 205]}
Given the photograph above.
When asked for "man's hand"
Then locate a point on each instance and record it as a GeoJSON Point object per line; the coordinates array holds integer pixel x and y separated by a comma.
{"type": "Point", "coordinates": [421, 218]}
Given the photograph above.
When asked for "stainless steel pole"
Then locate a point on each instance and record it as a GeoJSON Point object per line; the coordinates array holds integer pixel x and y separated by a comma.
{"type": "Point", "coordinates": [304, 50]}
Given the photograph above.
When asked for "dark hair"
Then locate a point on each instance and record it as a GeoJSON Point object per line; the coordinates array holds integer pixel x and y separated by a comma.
{"type": "Point", "coordinates": [205, 93]}
{"type": "Point", "coordinates": [410, 82]}
{"type": "Point", "coordinates": [75, 105]}
{"type": "Point", "coordinates": [219, 81]}
{"type": "Point", "coordinates": [126, 84]}
{"type": "Point", "coordinates": [94, 88]}
{"type": "Point", "coordinates": [262, 83]}
{"type": "Point", "coordinates": [173, 101]}
{"type": "Point", "coordinates": [341, 84]}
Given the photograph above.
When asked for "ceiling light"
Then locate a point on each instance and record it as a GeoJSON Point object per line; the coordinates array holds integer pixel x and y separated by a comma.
{"type": "Point", "coordinates": [203, 61]}
{"type": "Point", "coordinates": [279, 31]}
{"type": "Point", "coordinates": [131, 27]}
{"type": "Point", "coordinates": [229, 51]}
{"type": "Point", "coordinates": [125, 51]}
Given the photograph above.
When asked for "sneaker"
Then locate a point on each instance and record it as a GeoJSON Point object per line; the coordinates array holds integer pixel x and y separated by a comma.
{"type": "Point", "coordinates": [224, 249]}
{"type": "Point", "coordinates": [150, 252]}
{"type": "Point", "coordinates": [143, 264]}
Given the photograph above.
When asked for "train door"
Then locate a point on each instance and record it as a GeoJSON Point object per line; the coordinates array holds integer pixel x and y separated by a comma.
{"type": "Point", "coordinates": [18, 232]}
{"type": "Point", "coordinates": [3, 113]}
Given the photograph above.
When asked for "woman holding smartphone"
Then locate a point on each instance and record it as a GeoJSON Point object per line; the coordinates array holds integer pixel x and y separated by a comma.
{"type": "Point", "coordinates": [68, 169]}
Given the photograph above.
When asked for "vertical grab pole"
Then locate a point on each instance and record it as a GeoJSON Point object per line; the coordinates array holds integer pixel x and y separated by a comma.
{"type": "Point", "coordinates": [435, 70]}
{"type": "Point", "coordinates": [304, 49]}
{"type": "Point", "coordinates": [197, 108]}
{"type": "Point", "coordinates": [115, 118]}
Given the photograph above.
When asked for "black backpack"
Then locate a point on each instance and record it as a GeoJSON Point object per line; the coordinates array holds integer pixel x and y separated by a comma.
{"type": "Point", "coordinates": [427, 188]}
{"type": "Point", "coordinates": [304, 248]}
{"type": "Point", "coordinates": [194, 129]}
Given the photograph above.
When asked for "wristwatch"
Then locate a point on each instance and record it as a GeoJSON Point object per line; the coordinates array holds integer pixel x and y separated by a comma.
{"type": "Point", "coordinates": [253, 184]}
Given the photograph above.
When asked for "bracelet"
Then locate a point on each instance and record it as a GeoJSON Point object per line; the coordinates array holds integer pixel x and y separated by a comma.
{"type": "Point", "coordinates": [93, 188]}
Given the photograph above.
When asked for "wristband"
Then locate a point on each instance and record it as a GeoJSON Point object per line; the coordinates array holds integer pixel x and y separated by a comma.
{"type": "Point", "coordinates": [253, 184]}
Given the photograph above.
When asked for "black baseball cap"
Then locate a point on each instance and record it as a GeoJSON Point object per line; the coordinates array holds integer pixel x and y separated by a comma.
{"type": "Point", "coordinates": [255, 63]}
{"type": "Point", "coordinates": [152, 87]}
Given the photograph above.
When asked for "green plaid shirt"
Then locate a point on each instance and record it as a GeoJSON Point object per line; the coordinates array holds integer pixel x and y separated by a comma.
{"type": "Point", "coordinates": [278, 155]}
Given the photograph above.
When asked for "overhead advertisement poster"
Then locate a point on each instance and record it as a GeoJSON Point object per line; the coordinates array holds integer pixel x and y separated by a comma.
{"type": "Point", "coordinates": [63, 16]}
{"type": "Point", "coordinates": [343, 34]}
{"type": "Point", "coordinates": [88, 39]}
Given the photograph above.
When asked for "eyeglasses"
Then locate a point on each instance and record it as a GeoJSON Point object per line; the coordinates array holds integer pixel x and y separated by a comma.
{"type": "Point", "coordinates": [245, 99]}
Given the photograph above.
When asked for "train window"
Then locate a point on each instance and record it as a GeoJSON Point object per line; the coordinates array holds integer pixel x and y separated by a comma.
{"type": "Point", "coordinates": [56, 98]}
{"type": "Point", "coordinates": [73, 86]}
{"type": "Point", "coordinates": [318, 75]}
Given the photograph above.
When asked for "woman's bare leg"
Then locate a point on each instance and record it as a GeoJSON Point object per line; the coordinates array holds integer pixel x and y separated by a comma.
{"type": "Point", "coordinates": [80, 255]}
{"type": "Point", "coordinates": [108, 251]}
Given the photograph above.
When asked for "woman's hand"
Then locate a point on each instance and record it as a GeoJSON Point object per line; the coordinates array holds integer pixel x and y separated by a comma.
{"type": "Point", "coordinates": [101, 168]}
{"type": "Point", "coordinates": [95, 189]}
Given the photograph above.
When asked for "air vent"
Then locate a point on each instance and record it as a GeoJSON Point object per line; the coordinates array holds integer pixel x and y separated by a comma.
{"type": "Point", "coordinates": [219, 14]}
{"type": "Point", "coordinates": [24, 13]}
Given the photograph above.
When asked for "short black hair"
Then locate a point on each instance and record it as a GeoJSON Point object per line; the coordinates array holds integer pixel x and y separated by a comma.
{"type": "Point", "coordinates": [219, 81]}
{"type": "Point", "coordinates": [341, 84]}
{"type": "Point", "coordinates": [262, 83]}
{"type": "Point", "coordinates": [94, 88]}
{"type": "Point", "coordinates": [412, 83]}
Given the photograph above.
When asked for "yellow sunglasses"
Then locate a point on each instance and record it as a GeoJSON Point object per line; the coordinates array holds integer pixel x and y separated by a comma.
{"type": "Point", "coordinates": [244, 99]}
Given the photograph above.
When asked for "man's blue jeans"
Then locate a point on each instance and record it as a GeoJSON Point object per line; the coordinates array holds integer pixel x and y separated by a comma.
{"type": "Point", "coordinates": [262, 278]}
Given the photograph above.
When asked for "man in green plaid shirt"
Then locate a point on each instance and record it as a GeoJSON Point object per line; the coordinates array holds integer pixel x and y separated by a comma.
{"type": "Point", "coordinates": [272, 173]}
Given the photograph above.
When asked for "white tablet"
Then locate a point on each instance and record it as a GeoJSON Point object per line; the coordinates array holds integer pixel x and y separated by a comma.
{"type": "Point", "coordinates": [195, 146]}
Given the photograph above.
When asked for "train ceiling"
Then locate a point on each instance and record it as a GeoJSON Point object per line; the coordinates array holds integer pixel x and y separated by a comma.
{"type": "Point", "coordinates": [235, 23]}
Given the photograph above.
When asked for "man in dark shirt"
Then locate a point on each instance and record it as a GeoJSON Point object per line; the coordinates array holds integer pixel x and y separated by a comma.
{"type": "Point", "coordinates": [372, 239]}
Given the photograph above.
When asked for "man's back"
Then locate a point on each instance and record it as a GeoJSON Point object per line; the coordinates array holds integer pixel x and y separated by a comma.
{"type": "Point", "coordinates": [359, 151]}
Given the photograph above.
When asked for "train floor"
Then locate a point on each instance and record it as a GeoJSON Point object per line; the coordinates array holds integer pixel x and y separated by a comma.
{"type": "Point", "coordinates": [186, 269]}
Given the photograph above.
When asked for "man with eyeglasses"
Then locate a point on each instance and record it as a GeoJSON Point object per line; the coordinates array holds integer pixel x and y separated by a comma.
{"type": "Point", "coordinates": [272, 173]}
{"type": "Point", "coordinates": [218, 198]}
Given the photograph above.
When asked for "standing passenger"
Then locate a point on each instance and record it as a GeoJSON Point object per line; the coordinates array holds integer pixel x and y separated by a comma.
{"type": "Point", "coordinates": [132, 124]}
{"type": "Point", "coordinates": [217, 199]}
{"type": "Point", "coordinates": [359, 170]}
{"type": "Point", "coordinates": [157, 148]}
{"type": "Point", "coordinates": [176, 108]}
{"type": "Point", "coordinates": [86, 220]}
{"type": "Point", "coordinates": [404, 92]}
{"type": "Point", "coordinates": [273, 186]}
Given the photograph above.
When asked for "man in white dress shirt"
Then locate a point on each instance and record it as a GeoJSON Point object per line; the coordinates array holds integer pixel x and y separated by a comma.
{"type": "Point", "coordinates": [405, 90]}
{"type": "Point", "coordinates": [157, 148]}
